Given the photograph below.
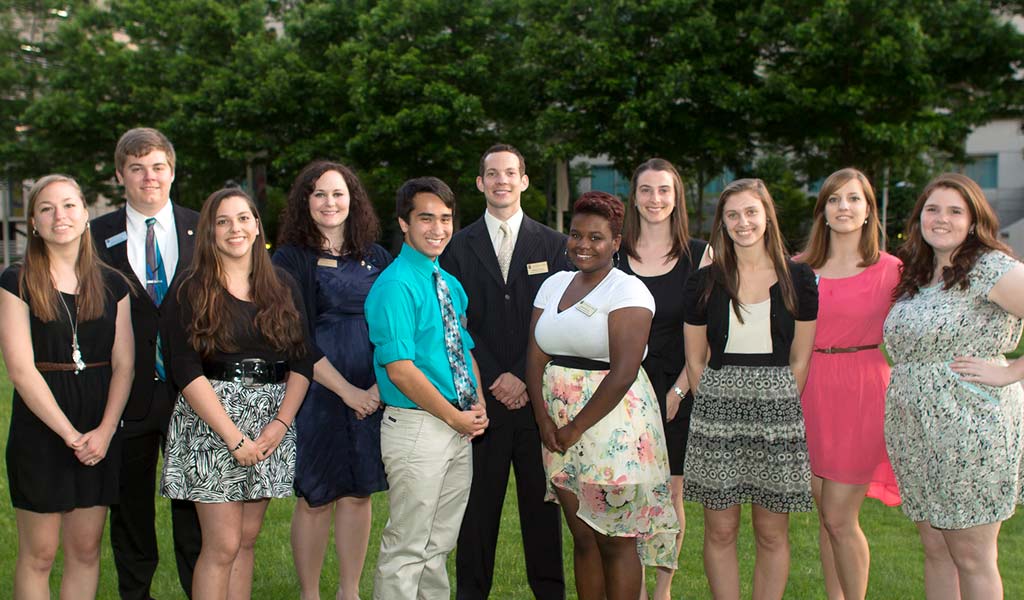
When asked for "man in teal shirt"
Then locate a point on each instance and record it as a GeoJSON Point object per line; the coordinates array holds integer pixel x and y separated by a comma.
{"type": "Point", "coordinates": [423, 380]}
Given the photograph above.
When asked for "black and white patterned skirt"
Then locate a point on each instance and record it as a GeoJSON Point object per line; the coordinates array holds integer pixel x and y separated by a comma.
{"type": "Point", "coordinates": [198, 465]}
{"type": "Point", "coordinates": [747, 441]}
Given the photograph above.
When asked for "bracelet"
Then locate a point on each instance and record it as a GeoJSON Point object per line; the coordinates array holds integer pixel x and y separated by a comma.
{"type": "Point", "coordinates": [286, 426]}
{"type": "Point", "coordinates": [679, 392]}
{"type": "Point", "coordinates": [239, 444]}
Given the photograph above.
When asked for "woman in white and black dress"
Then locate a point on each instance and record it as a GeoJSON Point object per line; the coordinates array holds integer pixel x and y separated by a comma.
{"type": "Point", "coordinates": [755, 310]}
{"type": "Point", "coordinates": [67, 341]}
{"type": "Point", "coordinates": [239, 352]}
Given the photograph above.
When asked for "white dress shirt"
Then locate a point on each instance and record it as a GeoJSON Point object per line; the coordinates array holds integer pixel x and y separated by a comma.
{"type": "Point", "coordinates": [166, 240]}
{"type": "Point", "coordinates": [494, 228]}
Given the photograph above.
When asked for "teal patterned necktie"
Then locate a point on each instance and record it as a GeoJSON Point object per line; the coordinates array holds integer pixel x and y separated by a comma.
{"type": "Point", "coordinates": [453, 344]}
{"type": "Point", "coordinates": [156, 284]}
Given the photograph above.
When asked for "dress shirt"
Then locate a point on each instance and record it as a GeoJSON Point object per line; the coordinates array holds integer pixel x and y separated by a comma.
{"type": "Point", "coordinates": [494, 228]}
{"type": "Point", "coordinates": [166, 239]}
{"type": "Point", "coordinates": [404, 318]}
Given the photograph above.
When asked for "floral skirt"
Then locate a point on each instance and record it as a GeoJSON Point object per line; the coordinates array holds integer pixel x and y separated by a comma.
{"type": "Point", "coordinates": [747, 441]}
{"type": "Point", "coordinates": [618, 470]}
{"type": "Point", "coordinates": [198, 465]}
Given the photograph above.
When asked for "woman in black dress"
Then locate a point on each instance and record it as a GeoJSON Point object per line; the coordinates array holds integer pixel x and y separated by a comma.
{"type": "Point", "coordinates": [657, 248]}
{"type": "Point", "coordinates": [238, 351]}
{"type": "Point", "coordinates": [327, 242]}
{"type": "Point", "coordinates": [67, 343]}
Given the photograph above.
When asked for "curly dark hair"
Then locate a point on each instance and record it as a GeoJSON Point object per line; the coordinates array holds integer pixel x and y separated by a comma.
{"type": "Point", "coordinates": [604, 205]}
{"type": "Point", "coordinates": [362, 227]}
{"type": "Point", "coordinates": [919, 257]}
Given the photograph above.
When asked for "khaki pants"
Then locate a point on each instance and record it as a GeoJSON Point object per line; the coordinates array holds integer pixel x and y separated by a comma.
{"type": "Point", "coordinates": [430, 469]}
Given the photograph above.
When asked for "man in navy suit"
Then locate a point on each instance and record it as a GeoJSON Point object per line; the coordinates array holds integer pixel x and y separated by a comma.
{"type": "Point", "coordinates": [144, 164]}
{"type": "Point", "coordinates": [501, 260]}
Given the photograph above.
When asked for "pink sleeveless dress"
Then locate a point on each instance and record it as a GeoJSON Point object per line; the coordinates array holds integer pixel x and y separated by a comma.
{"type": "Point", "coordinates": [844, 399]}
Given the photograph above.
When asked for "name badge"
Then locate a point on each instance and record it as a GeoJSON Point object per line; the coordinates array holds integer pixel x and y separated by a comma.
{"type": "Point", "coordinates": [327, 262]}
{"type": "Point", "coordinates": [585, 308]}
{"type": "Point", "coordinates": [537, 268]}
{"type": "Point", "coordinates": [116, 239]}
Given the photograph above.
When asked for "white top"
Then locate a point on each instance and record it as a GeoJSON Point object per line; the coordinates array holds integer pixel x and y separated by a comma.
{"type": "Point", "coordinates": [494, 228]}
{"type": "Point", "coordinates": [754, 334]}
{"type": "Point", "coordinates": [573, 332]}
{"type": "Point", "coordinates": [166, 239]}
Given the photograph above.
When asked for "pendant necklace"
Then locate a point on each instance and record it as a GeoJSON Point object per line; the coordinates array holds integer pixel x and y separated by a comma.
{"type": "Point", "coordinates": [76, 353]}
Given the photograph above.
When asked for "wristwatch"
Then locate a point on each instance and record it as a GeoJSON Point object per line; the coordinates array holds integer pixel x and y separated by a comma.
{"type": "Point", "coordinates": [679, 392]}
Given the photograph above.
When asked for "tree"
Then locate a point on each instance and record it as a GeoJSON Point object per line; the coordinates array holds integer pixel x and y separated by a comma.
{"type": "Point", "coordinates": [421, 75]}
{"type": "Point", "coordinates": [137, 63]}
{"type": "Point", "coordinates": [636, 80]}
{"type": "Point", "coordinates": [883, 83]}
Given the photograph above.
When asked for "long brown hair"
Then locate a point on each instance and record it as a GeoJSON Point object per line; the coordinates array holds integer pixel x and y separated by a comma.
{"type": "Point", "coordinates": [815, 253]}
{"type": "Point", "coordinates": [362, 227]}
{"type": "Point", "coordinates": [37, 285]}
{"type": "Point", "coordinates": [724, 270]}
{"type": "Point", "coordinates": [212, 327]}
{"type": "Point", "coordinates": [919, 257]}
{"type": "Point", "coordinates": [679, 223]}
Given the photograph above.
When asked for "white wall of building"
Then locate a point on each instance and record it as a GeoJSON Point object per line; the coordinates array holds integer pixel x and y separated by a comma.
{"type": "Point", "coordinates": [1004, 140]}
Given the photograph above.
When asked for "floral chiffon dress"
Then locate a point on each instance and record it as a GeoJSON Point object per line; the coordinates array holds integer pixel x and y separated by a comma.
{"type": "Point", "coordinates": [955, 446]}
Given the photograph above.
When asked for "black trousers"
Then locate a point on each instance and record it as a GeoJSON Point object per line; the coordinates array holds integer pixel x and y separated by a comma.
{"type": "Point", "coordinates": [132, 520]}
{"type": "Point", "coordinates": [515, 445]}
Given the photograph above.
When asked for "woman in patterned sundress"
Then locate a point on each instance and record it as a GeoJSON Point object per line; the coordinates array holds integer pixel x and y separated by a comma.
{"type": "Point", "coordinates": [604, 447]}
{"type": "Point", "coordinates": [954, 424]}
{"type": "Point", "coordinates": [238, 350]}
{"type": "Point", "coordinates": [755, 311]}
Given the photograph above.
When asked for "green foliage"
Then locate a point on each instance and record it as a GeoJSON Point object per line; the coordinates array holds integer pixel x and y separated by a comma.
{"type": "Point", "coordinates": [401, 88]}
{"type": "Point", "coordinates": [876, 83]}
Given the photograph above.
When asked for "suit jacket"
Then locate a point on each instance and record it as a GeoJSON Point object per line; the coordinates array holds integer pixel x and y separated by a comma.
{"type": "Point", "coordinates": [499, 313]}
{"type": "Point", "coordinates": [145, 314]}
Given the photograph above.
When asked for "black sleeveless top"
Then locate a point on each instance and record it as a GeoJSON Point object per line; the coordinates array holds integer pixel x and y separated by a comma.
{"type": "Point", "coordinates": [665, 344]}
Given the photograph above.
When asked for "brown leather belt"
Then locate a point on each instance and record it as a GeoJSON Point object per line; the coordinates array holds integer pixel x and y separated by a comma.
{"type": "Point", "coordinates": [49, 366]}
{"type": "Point", "coordinates": [835, 350]}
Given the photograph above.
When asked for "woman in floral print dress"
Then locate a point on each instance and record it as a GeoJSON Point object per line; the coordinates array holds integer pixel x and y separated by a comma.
{"type": "Point", "coordinates": [604, 448]}
{"type": "Point", "coordinates": [955, 409]}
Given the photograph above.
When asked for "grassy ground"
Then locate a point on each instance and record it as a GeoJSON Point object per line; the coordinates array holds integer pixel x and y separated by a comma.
{"type": "Point", "coordinates": [896, 570]}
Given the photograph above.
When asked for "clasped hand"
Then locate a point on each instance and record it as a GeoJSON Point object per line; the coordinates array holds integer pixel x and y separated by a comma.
{"type": "Point", "coordinates": [363, 402]}
{"type": "Point", "coordinates": [510, 391]}
{"type": "Point", "coordinates": [472, 421]}
{"type": "Point", "coordinates": [91, 447]}
{"type": "Point", "coordinates": [559, 439]}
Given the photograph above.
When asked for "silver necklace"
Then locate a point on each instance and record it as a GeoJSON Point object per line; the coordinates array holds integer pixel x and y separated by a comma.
{"type": "Point", "coordinates": [76, 353]}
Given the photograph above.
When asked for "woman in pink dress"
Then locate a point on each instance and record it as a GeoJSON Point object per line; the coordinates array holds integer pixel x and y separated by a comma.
{"type": "Point", "coordinates": [844, 399]}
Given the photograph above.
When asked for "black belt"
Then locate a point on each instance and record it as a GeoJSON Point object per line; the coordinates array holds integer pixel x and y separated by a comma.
{"type": "Point", "coordinates": [250, 371]}
{"type": "Point", "coordinates": [575, 362]}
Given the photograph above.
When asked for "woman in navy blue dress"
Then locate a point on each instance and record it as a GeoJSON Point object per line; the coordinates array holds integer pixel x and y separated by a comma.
{"type": "Point", "coordinates": [327, 242]}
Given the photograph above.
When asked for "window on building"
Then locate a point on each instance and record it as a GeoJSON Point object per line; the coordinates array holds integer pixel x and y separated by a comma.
{"type": "Point", "coordinates": [983, 169]}
{"type": "Point", "coordinates": [607, 179]}
{"type": "Point", "coordinates": [716, 185]}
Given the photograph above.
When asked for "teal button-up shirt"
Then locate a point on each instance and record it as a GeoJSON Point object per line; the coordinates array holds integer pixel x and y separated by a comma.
{"type": "Point", "coordinates": [405, 322]}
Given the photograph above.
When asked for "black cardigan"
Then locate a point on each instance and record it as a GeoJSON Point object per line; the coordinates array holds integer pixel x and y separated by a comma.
{"type": "Point", "coordinates": [715, 315]}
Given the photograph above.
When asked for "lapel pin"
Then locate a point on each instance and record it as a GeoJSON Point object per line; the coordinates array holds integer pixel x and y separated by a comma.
{"type": "Point", "coordinates": [189, 232]}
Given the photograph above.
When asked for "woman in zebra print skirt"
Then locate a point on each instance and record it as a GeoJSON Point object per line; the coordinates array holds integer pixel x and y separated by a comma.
{"type": "Point", "coordinates": [238, 350]}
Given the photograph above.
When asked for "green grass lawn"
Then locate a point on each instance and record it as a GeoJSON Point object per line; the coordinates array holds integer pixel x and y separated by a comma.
{"type": "Point", "coordinates": [896, 570]}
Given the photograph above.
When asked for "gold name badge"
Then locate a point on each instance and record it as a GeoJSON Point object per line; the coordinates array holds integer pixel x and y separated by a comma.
{"type": "Point", "coordinates": [537, 268]}
{"type": "Point", "coordinates": [327, 262]}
